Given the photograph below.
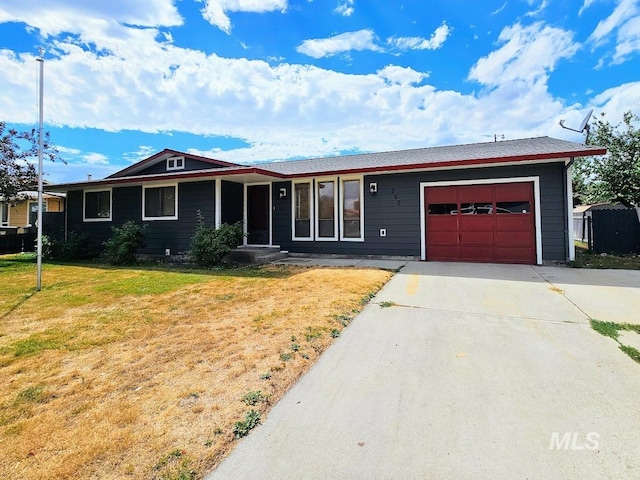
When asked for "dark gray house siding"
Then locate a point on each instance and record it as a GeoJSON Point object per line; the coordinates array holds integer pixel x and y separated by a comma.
{"type": "Point", "coordinates": [281, 213]}
{"type": "Point", "coordinates": [189, 164]}
{"type": "Point", "coordinates": [396, 208]}
{"type": "Point", "coordinates": [161, 234]}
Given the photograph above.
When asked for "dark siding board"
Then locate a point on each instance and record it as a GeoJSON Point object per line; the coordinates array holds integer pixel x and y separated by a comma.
{"type": "Point", "coordinates": [189, 164]}
{"type": "Point", "coordinates": [161, 234]}
{"type": "Point", "coordinates": [232, 196]}
{"type": "Point", "coordinates": [396, 207]}
{"type": "Point", "coordinates": [176, 234]}
{"type": "Point", "coordinates": [281, 213]}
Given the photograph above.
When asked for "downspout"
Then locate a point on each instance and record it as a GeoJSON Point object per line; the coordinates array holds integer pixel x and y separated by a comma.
{"type": "Point", "coordinates": [569, 210]}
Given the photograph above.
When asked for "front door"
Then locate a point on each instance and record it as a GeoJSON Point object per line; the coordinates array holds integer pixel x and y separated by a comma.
{"type": "Point", "coordinates": [258, 214]}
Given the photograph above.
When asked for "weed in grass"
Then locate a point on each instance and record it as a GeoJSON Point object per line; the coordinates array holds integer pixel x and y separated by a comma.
{"type": "Point", "coordinates": [367, 298]}
{"type": "Point", "coordinates": [313, 333]}
{"type": "Point", "coordinates": [285, 357]}
{"type": "Point", "coordinates": [608, 329]}
{"type": "Point", "coordinates": [265, 376]}
{"type": "Point", "coordinates": [176, 466]}
{"type": "Point", "coordinates": [335, 333]}
{"type": "Point", "coordinates": [217, 431]}
{"type": "Point", "coordinates": [343, 319]}
{"type": "Point", "coordinates": [33, 394]}
{"type": "Point", "coordinates": [632, 352]}
{"type": "Point", "coordinates": [253, 398]}
{"type": "Point", "coordinates": [386, 304]}
{"type": "Point", "coordinates": [251, 420]}
{"type": "Point", "coordinates": [295, 347]}
{"type": "Point", "coordinates": [305, 356]}
{"type": "Point", "coordinates": [35, 344]}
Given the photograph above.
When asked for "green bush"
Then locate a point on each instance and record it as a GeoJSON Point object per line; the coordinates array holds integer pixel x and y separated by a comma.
{"type": "Point", "coordinates": [77, 246]}
{"type": "Point", "coordinates": [125, 241]}
{"type": "Point", "coordinates": [210, 244]}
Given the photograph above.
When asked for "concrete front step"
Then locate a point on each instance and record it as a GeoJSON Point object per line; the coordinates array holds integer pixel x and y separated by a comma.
{"type": "Point", "coordinates": [255, 255]}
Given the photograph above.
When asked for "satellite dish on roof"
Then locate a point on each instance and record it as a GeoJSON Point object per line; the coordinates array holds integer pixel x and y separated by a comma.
{"type": "Point", "coordinates": [584, 125]}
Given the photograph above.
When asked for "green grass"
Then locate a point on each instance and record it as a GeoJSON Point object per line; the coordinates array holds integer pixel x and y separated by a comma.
{"type": "Point", "coordinates": [611, 329]}
{"type": "Point", "coordinates": [588, 259]}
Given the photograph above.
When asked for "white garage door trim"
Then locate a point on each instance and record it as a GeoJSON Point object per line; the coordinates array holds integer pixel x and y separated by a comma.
{"type": "Point", "coordinates": [536, 198]}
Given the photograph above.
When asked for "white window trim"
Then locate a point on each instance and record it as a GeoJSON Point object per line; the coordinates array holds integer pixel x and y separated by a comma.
{"type": "Point", "coordinates": [360, 178]}
{"type": "Point", "coordinates": [245, 222]}
{"type": "Point", "coordinates": [5, 222]}
{"type": "Point", "coordinates": [84, 205]}
{"type": "Point", "coordinates": [311, 210]}
{"type": "Point", "coordinates": [144, 196]}
{"type": "Point", "coordinates": [536, 200]}
{"type": "Point", "coordinates": [336, 209]}
{"type": "Point", "coordinates": [175, 163]}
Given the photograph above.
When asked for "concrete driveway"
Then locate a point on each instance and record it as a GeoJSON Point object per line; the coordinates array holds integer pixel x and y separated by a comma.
{"type": "Point", "coordinates": [477, 371]}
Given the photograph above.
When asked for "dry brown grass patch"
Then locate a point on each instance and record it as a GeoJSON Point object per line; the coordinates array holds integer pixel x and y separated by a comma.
{"type": "Point", "coordinates": [115, 373]}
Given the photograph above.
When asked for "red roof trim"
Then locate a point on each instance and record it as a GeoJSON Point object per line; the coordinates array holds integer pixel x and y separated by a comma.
{"type": "Point", "coordinates": [454, 163]}
{"type": "Point", "coordinates": [162, 177]}
{"type": "Point", "coordinates": [166, 151]}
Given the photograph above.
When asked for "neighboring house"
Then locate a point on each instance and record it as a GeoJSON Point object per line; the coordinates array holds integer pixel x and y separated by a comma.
{"type": "Point", "coordinates": [24, 213]}
{"type": "Point", "coordinates": [507, 201]}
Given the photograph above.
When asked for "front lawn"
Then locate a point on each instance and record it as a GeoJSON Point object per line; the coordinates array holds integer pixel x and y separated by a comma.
{"type": "Point", "coordinates": [144, 373]}
{"type": "Point", "coordinates": [588, 259]}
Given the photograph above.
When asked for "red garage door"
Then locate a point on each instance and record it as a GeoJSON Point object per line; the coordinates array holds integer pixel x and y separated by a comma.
{"type": "Point", "coordinates": [481, 223]}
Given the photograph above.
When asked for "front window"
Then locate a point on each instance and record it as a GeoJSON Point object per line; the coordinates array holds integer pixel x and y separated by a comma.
{"type": "Point", "coordinates": [97, 206]}
{"type": "Point", "coordinates": [302, 210]}
{"type": "Point", "coordinates": [326, 192]}
{"type": "Point", "coordinates": [351, 210]}
{"type": "Point", "coordinates": [160, 203]}
{"type": "Point", "coordinates": [4, 214]}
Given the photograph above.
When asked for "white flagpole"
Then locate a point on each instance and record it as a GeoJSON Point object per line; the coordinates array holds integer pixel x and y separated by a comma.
{"type": "Point", "coordinates": [40, 192]}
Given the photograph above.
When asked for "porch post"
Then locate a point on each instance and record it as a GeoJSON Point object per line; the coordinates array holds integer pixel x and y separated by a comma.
{"type": "Point", "coordinates": [218, 201]}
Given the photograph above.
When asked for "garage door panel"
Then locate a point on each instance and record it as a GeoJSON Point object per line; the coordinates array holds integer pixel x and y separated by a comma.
{"type": "Point", "coordinates": [444, 238]}
{"type": "Point", "coordinates": [476, 223]}
{"type": "Point", "coordinates": [444, 252]}
{"type": "Point", "coordinates": [482, 223]}
{"type": "Point", "coordinates": [476, 253]}
{"type": "Point", "coordinates": [476, 238]}
{"type": "Point", "coordinates": [515, 222]}
{"type": "Point", "coordinates": [475, 194]}
{"type": "Point", "coordinates": [510, 239]}
{"type": "Point", "coordinates": [441, 195]}
{"type": "Point", "coordinates": [509, 192]}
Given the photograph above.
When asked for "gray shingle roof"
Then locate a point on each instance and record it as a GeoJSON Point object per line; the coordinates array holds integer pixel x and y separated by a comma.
{"type": "Point", "coordinates": [522, 149]}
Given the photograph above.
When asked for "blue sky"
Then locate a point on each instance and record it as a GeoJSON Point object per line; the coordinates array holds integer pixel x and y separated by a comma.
{"type": "Point", "coordinates": [254, 80]}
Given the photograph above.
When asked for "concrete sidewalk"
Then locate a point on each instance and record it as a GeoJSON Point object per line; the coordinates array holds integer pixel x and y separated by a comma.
{"type": "Point", "coordinates": [477, 371]}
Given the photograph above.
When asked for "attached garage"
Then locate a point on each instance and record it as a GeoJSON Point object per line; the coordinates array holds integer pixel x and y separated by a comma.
{"type": "Point", "coordinates": [491, 221]}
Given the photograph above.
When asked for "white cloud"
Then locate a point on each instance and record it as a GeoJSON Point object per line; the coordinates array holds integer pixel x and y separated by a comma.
{"type": "Point", "coordinates": [94, 158]}
{"type": "Point", "coordinates": [215, 11]}
{"type": "Point", "coordinates": [628, 40]}
{"type": "Point", "coordinates": [624, 10]}
{"type": "Point", "coordinates": [528, 54]}
{"type": "Point", "coordinates": [345, 8]}
{"type": "Point", "coordinates": [143, 152]}
{"type": "Point", "coordinates": [541, 7]}
{"type": "Point", "coordinates": [344, 42]}
{"type": "Point", "coordinates": [438, 37]}
{"type": "Point", "coordinates": [137, 81]}
{"type": "Point", "coordinates": [585, 5]}
{"type": "Point", "coordinates": [500, 9]}
{"type": "Point", "coordinates": [56, 16]}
